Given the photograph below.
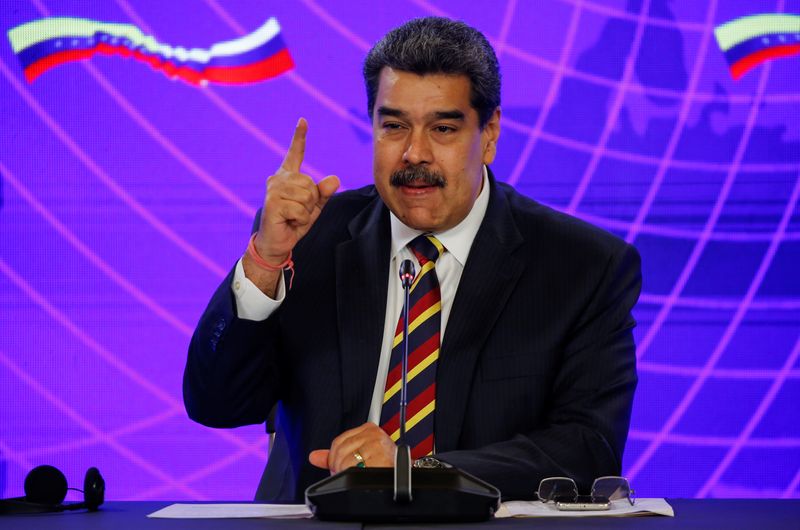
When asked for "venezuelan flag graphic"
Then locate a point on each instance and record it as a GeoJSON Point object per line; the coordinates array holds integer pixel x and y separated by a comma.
{"type": "Point", "coordinates": [48, 42]}
{"type": "Point", "coordinates": [751, 40]}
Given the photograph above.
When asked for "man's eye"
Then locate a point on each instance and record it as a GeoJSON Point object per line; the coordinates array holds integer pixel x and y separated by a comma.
{"type": "Point", "coordinates": [445, 129]}
{"type": "Point", "coordinates": [391, 126]}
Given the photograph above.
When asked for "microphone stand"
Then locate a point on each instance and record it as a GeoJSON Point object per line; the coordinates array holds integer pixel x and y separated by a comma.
{"type": "Point", "coordinates": [402, 459]}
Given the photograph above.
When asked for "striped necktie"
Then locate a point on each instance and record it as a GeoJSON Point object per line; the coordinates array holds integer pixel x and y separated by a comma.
{"type": "Point", "coordinates": [424, 325]}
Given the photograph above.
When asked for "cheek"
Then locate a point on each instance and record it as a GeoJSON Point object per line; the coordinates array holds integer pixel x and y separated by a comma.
{"type": "Point", "coordinates": [383, 156]}
{"type": "Point", "coordinates": [382, 169]}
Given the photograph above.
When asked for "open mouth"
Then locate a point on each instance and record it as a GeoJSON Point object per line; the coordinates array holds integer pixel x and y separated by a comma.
{"type": "Point", "coordinates": [417, 188]}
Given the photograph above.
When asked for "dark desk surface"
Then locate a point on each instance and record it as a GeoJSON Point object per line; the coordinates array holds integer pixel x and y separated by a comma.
{"type": "Point", "coordinates": [727, 514]}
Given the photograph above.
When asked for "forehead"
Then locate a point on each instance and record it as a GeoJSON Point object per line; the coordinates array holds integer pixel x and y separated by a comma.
{"type": "Point", "coordinates": [419, 95]}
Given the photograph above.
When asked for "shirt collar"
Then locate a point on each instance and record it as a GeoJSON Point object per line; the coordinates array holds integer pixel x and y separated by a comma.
{"type": "Point", "coordinates": [457, 240]}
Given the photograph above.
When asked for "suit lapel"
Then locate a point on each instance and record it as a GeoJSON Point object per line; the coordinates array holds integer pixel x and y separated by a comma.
{"type": "Point", "coordinates": [361, 283]}
{"type": "Point", "coordinates": [486, 283]}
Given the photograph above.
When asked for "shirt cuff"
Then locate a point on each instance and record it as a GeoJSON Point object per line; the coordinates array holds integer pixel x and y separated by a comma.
{"type": "Point", "coordinates": [251, 302]}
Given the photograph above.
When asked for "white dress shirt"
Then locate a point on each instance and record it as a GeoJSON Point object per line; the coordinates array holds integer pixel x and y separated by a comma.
{"type": "Point", "coordinates": [253, 304]}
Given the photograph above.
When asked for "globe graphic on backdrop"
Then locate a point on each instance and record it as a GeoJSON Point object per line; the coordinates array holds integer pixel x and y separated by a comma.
{"type": "Point", "coordinates": [704, 182]}
{"type": "Point", "coordinates": [622, 113]}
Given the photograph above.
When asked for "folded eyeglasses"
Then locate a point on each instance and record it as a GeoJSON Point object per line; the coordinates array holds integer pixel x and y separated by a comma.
{"type": "Point", "coordinates": [612, 488]}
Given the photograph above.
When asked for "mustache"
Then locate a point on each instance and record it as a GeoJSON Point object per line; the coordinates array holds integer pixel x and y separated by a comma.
{"type": "Point", "coordinates": [417, 175]}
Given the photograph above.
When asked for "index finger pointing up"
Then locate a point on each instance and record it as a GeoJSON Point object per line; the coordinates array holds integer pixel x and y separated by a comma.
{"type": "Point", "coordinates": [297, 149]}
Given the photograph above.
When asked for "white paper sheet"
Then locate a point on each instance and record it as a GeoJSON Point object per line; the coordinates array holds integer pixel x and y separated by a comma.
{"type": "Point", "coordinates": [620, 508]}
{"type": "Point", "coordinates": [233, 511]}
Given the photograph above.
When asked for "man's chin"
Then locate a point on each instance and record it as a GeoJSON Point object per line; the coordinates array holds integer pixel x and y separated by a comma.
{"type": "Point", "coordinates": [418, 211]}
{"type": "Point", "coordinates": [422, 221]}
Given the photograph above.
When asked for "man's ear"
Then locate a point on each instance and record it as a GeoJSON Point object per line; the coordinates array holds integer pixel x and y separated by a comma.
{"type": "Point", "coordinates": [489, 136]}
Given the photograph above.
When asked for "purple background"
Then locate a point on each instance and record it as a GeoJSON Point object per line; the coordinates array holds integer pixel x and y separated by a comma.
{"type": "Point", "coordinates": [125, 197]}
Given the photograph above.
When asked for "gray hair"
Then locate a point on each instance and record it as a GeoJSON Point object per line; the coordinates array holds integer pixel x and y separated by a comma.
{"type": "Point", "coordinates": [433, 45]}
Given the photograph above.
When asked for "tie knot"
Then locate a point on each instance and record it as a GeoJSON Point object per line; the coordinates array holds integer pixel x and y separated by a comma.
{"type": "Point", "coordinates": [426, 248]}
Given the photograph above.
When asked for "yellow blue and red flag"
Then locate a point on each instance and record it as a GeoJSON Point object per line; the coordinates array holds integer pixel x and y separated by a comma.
{"type": "Point", "coordinates": [45, 43]}
{"type": "Point", "coordinates": [751, 40]}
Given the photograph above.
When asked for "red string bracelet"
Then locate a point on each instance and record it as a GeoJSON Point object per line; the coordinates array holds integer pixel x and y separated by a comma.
{"type": "Point", "coordinates": [288, 264]}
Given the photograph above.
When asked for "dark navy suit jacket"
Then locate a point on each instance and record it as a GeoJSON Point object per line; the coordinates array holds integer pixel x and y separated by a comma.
{"type": "Point", "coordinates": [536, 373]}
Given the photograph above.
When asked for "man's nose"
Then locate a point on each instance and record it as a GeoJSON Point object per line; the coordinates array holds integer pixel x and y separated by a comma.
{"type": "Point", "coordinates": [418, 150]}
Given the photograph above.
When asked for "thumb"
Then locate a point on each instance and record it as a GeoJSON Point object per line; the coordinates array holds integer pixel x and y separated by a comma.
{"type": "Point", "coordinates": [319, 458]}
{"type": "Point", "coordinates": [327, 187]}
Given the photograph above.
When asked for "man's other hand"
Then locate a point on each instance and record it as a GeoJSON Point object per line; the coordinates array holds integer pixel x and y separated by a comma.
{"type": "Point", "coordinates": [292, 204]}
{"type": "Point", "coordinates": [369, 440]}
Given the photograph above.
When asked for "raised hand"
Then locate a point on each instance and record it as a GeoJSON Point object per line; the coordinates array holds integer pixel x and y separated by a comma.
{"type": "Point", "coordinates": [292, 204]}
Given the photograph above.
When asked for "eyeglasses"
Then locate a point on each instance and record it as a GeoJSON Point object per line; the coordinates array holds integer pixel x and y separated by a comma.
{"type": "Point", "coordinates": [613, 488]}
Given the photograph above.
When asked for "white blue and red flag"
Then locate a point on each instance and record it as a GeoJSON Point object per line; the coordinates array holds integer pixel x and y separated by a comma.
{"type": "Point", "coordinates": [48, 42]}
{"type": "Point", "coordinates": [751, 40]}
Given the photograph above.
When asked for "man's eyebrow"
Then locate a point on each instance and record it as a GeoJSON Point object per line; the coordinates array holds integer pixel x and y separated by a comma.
{"type": "Point", "coordinates": [439, 115]}
{"type": "Point", "coordinates": [449, 115]}
{"type": "Point", "coordinates": [388, 111]}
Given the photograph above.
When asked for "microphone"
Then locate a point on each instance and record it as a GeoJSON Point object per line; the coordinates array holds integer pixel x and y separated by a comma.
{"type": "Point", "coordinates": [384, 494]}
{"type": "Point", "coordinates": [407, 275]}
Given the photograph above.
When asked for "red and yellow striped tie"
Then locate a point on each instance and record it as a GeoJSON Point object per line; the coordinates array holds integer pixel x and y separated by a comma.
{"type": "Point", "coordinates": [424, 325]}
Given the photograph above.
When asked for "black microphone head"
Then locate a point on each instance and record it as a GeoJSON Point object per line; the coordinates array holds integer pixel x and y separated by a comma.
{"type": "Point", "coordinates": [407, 273]}
{"type": "Point", "coordinates": [45, 485]}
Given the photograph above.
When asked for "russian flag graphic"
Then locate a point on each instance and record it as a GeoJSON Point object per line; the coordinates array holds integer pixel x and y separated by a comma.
{"type": "Point", "coordinates": [48, 42]}
{"type": "Point", "coordinates": [751, 40]}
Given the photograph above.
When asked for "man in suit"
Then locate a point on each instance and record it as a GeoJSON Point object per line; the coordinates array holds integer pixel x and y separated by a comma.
{"type": "Point", "coordinates": [531, 352]}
